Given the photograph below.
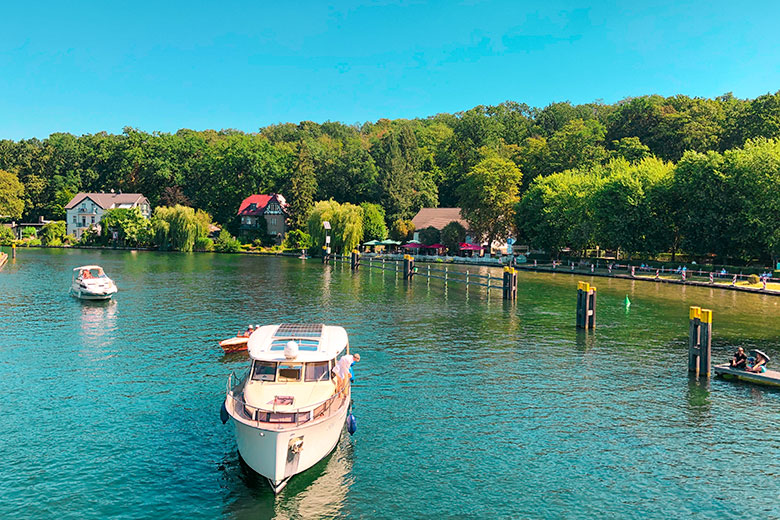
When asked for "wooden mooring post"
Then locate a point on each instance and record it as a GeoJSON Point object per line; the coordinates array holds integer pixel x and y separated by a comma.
{"type": "Point", "coordinates": [586, 306]}
{"type": "Point", "coordinates": [509, 288]}
{"type": "Point", "coordinates": [408, 267]}
{"type": "Point", "coordinates": [700, 341]}
{"type": "Point", "coordinates": [354, 260]}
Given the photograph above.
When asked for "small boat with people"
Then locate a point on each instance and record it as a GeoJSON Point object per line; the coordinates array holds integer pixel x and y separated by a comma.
{"type": "Point", "coordinates": [238, 342]}
{"type": "Point", "coordinates": [89, 282]}
{"type": "Point", "coordinates": [750, 368]}
{"type": "Point", "coordinates": [290, 407]}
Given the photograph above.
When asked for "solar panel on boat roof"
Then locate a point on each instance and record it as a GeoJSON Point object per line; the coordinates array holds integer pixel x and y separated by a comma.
{"type": "Point", "coordinates": [299, 330]}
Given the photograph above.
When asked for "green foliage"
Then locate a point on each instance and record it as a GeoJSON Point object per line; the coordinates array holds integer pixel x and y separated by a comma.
{"type": "Point", "coordinates": [753, 279]}
{"type": "Point", "coordinates": [178, 227]}
{"type": "Point", "coordinates": [226, 243]}
{"type": "Point", "coordinates": [33, 242]}
{"type": "Point", "coordinates": [132, 228]}
{"type": "Point", "coordinates": [28, 232]}
{"type": "Point", "coordinates": [430, 236]}
{"type": "Point", "coordinates": [7, 236]}
{"type": "Point", "coordinates": [53, 231]}
{"type": "Point", "coordinates": [452, 235]}
{"type": "Point", "coordinates": [303, 187]}
{"type": "Point", "coordinates": [11, 195]}
{"type": "Point", "coordinates": [90, 236]}
{"type": "Point", "coordinates": [401, 230]}
{"type": "Point", "coordinates": [297, 239]}
{"type": "Point", "coordinates": [203, 244]}
{"type": "Point", "coordinates": [488, 195]}
{"type": "Point", "coordinates": [374, 227]}
{"type": "Point", "coordinates": [346, 221]}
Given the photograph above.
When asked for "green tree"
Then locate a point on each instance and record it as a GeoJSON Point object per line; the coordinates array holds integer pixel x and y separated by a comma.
{"type": "Point", "coordinates": [452, 235]}
{"type": "Point", "coordinates": [488, 196]}
{"type": "Point", "coordinates": [401, 230]}
{"type": "Point", "coordinates": [323, 211]}
{"type": "Point", "coordinates": [53, 233]}
{"type": "Point", "coordinates": [11, 195]}
{"type": "Point", "coordinates": [297, 239]}
{"type": "Point", "coordinates": [175, 228]}
{"type": "Point", "coordinates": [430, 236]}
{"type": "Point", "coordinates": [347, 227]}
{"type": "Point", "coordinates": [303, 187]}
{"type": "Point", "coordinates": [374, 227]}
{"type": "Point", "coordinates": [226, 243]}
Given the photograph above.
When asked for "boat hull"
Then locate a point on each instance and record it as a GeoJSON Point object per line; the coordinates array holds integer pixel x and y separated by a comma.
{"type": "Point", "coordinates": [86, 295]}
{"type": "Point", "coordinates": [236, 344]}
{"type": "Point", "coordinates": [278, 454]}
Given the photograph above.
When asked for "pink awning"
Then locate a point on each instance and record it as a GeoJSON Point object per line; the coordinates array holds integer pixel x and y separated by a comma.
{"type": "Point", "coordinates": [413, 245]}
{"type": "Point", "coordinates": [435, 246]}
{"type": "Point", "coordinates": [469, 247]}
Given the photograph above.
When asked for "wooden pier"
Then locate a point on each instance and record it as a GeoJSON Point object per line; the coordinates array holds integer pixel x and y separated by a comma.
{"type": "Point", "coordinates": [411, 270]}
{"type": "Point", "coordinates": [770, 377]}
{"type": "Point", "coordinates": [3, 259]}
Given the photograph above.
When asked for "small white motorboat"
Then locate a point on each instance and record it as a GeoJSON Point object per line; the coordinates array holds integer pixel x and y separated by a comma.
{"type": "Point", "coordinates": [285, 409]}
{"type": "Point", "coordinates": [91, 283]}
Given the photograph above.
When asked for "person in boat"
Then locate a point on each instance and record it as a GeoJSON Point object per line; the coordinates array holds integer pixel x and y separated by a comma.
{"type": "Point", "coordinates": [248, 332]}
{"type": "Point", "coordinates": [341, 372]}
{"type": "Point", "coordinates": [739, 361]}
{"type": "Point", "coordinates": [759, 365]}
{"type": "Point", "coordinates": [85, 274]}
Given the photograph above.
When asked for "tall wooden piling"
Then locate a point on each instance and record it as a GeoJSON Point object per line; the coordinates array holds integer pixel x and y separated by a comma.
{"type": "Point", "coordinates": [509, 287]}
{"type": "Point", "coordinates": [354, 260]}
{"type": "Point", "coordinates": [586, 306]}
{"type": "Point", "coordinates": [408, 267]}
{"type": "Point", "coordinates": [700, 341]}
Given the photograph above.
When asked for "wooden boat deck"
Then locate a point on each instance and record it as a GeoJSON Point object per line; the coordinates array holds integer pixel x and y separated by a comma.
{"type": "Point", "coordinates": [770, 377]}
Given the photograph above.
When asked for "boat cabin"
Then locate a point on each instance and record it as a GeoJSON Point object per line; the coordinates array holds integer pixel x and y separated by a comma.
{"type": "Point", "coordinates": [289, 379]}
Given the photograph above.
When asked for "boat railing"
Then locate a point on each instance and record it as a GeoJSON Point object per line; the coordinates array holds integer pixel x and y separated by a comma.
{"type": "Point", "coordinates": [264, 417]}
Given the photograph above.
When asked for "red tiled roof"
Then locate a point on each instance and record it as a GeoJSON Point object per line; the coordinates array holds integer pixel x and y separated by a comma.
{"type": "Point", "coordinates": [261, 201]}
{"type": "Point", "coordinates": [437, 218]}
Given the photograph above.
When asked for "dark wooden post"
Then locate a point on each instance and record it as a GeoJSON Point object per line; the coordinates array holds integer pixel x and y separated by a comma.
{"type": "Point", "coordinates": [700, 341]}
{"type": "Point", "coordinates": [510, 283]}
{"type": "Point", "coordinates": [408, 267]}
{"type": "Point", "coordinates": [705, 343]}
{"type": "Point", "coordinates": [586, 306]}
{"type": "Point", "coordinates": [354, 262]}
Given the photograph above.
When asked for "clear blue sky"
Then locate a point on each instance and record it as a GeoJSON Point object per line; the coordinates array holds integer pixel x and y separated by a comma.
{"type": "Point", "coordinates": [84, 67]}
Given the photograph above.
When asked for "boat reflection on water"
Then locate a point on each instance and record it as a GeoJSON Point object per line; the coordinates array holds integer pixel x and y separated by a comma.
{"type": "Point", "coordinates": [98, 321]}
{"type": "Point", "coordinates": [319, 492]}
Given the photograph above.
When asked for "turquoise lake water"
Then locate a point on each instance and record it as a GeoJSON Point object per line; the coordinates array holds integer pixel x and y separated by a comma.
{"type": "Point", "coordinates": [467, 406]}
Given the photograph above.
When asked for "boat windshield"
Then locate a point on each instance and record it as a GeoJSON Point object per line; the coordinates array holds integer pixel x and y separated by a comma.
{"type": "Point", "coordinates": [317, 371]}
{"type": "Point", "coordinates": [289, 372]}
{"type": "Point", "coordinates": [264, 371]}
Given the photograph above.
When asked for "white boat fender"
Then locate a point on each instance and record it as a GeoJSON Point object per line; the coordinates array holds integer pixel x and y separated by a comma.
{"type": "Point", "coordinates": [223, 413]}
{"type": "Point", "coordinates": [351, 424]}
{"type": "Point", "coordinates": [291, 350]}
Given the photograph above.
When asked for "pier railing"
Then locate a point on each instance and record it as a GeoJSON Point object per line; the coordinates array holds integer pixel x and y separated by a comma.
{"type": "Point", "coordinates": [457, 276]}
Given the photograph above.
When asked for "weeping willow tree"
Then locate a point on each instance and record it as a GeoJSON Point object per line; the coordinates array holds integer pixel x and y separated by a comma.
{"type": "Point", "coordinates": [176, 228]}
{"type": "Point", "coordinates": [346, 221]}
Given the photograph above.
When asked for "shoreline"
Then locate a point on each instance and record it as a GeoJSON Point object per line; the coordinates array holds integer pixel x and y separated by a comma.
{"type": "Point", "coordinates": [450, 261]}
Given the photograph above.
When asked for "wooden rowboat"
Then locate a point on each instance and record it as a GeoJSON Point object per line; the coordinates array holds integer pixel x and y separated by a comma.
{"type": "Point", "coordinates": [234, 344]}
{"type": "Point", "coordinates": [770, 377]}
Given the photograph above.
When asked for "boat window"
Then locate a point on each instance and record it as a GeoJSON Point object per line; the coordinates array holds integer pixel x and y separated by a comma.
{"type": "Point", "coordinates": [289, 372]}
{"type": "Point", "coordinates": [317, 371]}
{"type": "Point", "coordinates": [264, 371]}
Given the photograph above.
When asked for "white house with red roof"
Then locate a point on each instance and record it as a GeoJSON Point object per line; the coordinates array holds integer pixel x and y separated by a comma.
{"type": "Point", "coordinates": [85, 210]}
{"type": "Point", "coordinates": [271, 207]}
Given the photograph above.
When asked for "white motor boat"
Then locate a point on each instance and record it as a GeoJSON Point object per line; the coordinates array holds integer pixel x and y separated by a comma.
{"type": "Point", "coordinates": [91, 283]}
{"type": "Point", "coordinates": [286, 413]}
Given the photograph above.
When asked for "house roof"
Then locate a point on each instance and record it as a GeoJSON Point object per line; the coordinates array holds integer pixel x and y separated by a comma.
{"type": "Point", "coordinates": [438, 218]}
{"type": "Point", "coordinates": [108, 200]}
{"type": "Point", "coordinates": [260, 201]}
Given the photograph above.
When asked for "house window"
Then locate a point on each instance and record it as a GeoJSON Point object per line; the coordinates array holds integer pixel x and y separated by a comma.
{"type": "Point", "coordinates": [252, 206]}
{"type": "Point", "coordinates": [93, 220]}
{"type": "Point", "coordinates": [74, 219]}
{"type": "Point", "coordinates": [273, 221]}
{"type": "Point", "coordinates": [83, 221]}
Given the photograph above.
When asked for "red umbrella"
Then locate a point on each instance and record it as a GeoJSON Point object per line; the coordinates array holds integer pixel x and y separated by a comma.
{"type": "Point", "coordinates": [469, 247]}
{"type": "Point", "coordinates": [413, 245]}
{"type": "Point", "coordinates": [436, 246]}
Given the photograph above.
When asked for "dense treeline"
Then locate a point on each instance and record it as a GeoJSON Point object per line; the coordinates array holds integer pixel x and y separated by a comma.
{"type": "Point", "coordinates": [403, 165]}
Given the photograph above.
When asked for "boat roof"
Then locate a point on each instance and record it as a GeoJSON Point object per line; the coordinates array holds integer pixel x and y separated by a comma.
{"type": "Point", "coordinates": [87, 267]}
{"type": "Point", "coordinates": [316, 342]}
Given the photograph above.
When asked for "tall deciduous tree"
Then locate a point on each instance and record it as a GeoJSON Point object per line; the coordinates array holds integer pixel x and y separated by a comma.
{"type": "Point", "coordinates": [11, 195]}
{"type": "Point", "coordinates": [303, 186]}
{"type": "Point", "coordinates": [374, 227]}
{"type": "Point", "coordinates": [488, 197]}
